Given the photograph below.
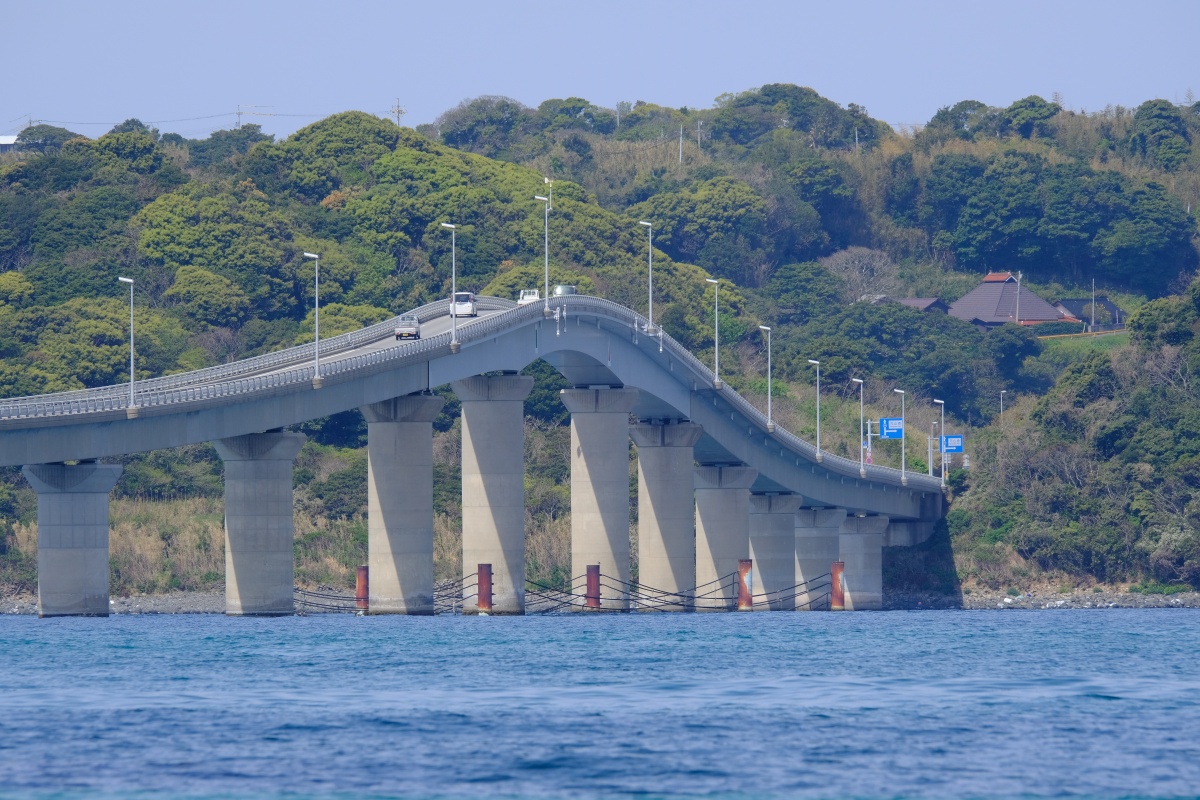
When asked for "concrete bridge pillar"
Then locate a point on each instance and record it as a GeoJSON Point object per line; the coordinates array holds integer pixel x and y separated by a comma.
{"type": "Point", "coordinates": [493, 486]}
{"type": "Point", "coordinates": [259, 535]}
{"type": "Point", "coordinates": [72, 537]}
{"type": "Point", "coordinates": [400, 503]}
{"type": "Point", "coordinates": [722, 531]}
{"type": "Point", "coordinates": [667, 510]}
{"type": "Point", "coordinates": [773, 550]}
{"type": "Point", "coordinates": [818, 532]}
{"type": "Point", "coordinates": [861, 548]}
{"type": "Point", "coordinates": [600, 485]}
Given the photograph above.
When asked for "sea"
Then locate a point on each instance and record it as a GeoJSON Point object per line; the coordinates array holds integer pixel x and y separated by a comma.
{"type": "Point", "coordinates": [926, 704]}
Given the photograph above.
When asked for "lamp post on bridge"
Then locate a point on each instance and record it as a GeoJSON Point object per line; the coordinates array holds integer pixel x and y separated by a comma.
{"type": "Point", "coordinates": [770, 420]}
{"type": "Point", "coordinates": [818, 365]}
{"type": "Point", "coordinates": [716, 331]}
{"type": "Point", "coordinates": [316, 319]}
{"type": "Point", "coordinates": [546, 302]}
{"type": "Point", "coordinates": [862, 467]}
{"type": "Point", "coordinates": [650, 274]}
{"type": "Point", "coordinates": [903, 438]}
{"type": "Point", "coordinates": [942, 440]}
{"type": "Point", "coordinates": [132, 410]}
{"type": "Point", "coordinates": [454, 345]}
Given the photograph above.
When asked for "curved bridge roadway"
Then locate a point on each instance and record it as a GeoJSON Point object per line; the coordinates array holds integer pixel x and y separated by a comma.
{"type": "Point", "coordinates": [754, 480]}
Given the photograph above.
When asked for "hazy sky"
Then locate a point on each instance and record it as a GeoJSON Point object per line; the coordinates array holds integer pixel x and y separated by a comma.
{"type": "Point", "coordinates": [89, 65]}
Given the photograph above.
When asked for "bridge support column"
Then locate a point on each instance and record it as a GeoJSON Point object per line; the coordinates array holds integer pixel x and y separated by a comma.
{"type": "Point", "coordinates": [493, 486]}
{"type": "Point", "coordinates": [722, 531]}
{"type": "Point", "coordinates": [72, 537]}
{"type": "Point", "coordinates": [818, 532]}
{"type": "Point", "coordinates": [600, 485]}
{"type": "Point", "coordinates": [259, 535]}
{"type": "Point", "coordinates": [773, 550]}
{"type": "Point", "coordinates": [861, 548]}
{"type": "Point", "coordinates": [667, 511]}
{"type": "Point", "coordinates": [400, 503]}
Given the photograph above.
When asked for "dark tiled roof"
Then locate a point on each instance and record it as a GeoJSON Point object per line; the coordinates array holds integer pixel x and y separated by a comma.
{"type": "Point", "coordinates": [922, 303]}
{"type": "Point", "coordinates": [1076, 307]}
{"type": "Point", "coordinates": [994, 302]}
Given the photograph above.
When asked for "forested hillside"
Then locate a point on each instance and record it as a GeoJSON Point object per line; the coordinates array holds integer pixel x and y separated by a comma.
{"type": "Point", "coordinates": [803, 209]}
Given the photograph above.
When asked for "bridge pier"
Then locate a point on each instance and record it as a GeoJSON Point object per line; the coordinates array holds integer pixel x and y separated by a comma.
{"type": "Point", "coordinates": [72, 537]}
{"type": "Point", "coordinates": [400, 503]}
{"type": "Point", "coordinates": [666, 509]}
{"type": "Point", "coordinates": [818, 532]}
{"type": "Point", "coordinates": [493, 485]}
{"type": "Point", "coordinates": [773, 549]}
{"type": "Point", "coordinates": [861, 549]}
{"type": "Point", "coordinates": [600, 485]}
{"type": "Point", "coordinates": [259, 533]}
{"type": "Point", "coordinates": [722, 530]}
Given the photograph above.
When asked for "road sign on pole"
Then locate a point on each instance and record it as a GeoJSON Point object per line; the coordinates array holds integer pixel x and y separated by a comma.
{"type": "Point", "coordinates": [952, 443]}
{"type": "Point", "coordinates": [891, 428]}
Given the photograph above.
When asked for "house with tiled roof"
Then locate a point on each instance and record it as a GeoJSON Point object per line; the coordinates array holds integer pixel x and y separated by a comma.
{"type": "Point", "coordinates": [919, 303]}
{"type": "Point", "coordinates": [1001, 299]}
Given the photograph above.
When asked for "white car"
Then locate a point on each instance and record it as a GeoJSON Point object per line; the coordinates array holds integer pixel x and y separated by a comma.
{"type": "Point", "coordinates": [463, 305]}
{"type": "Point", "coordinates": [528, 296]}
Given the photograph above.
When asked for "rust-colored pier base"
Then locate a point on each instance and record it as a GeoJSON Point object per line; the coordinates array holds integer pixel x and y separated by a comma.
{"type": "Point", "coordinates": [593, 586]}
{"type": "Point", "coordinates": [837, 587]}
{"type": "Point", "coordinates": [745, 585]}
{"type": "Point", "coordinates": [362, 589]}
{"type": "Point", "coordinates": [484, 599]}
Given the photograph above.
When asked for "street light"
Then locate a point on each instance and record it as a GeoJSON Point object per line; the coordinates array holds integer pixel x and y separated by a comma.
{"type": "Point", "coordinates": [770, 421]}
{"type": "Point", "coordinates": [454, 346]}
{"type": "Point", "coordinates": [316, 318]}
{"type": "Point", "coordinates": [942, 439]}
{"type": "Point", "coordinates": [862, 466]}
{"type": "Point", "coordinates": [818, 363]}
{"type": "Point", "coordinates": [549, 191]}
{"type": "Point", "coordinates": [903, 437]}
{"type": "Point", "coordinates": [546, 306]}
{"type": "Point", "coordinates": [716, 332]}
{"type": "Point", "coordinates": [132, 411]}
{"type": "Point", "coordinates": [650, 273]}
{"type": "Point", "coordinates": [1002, 391]}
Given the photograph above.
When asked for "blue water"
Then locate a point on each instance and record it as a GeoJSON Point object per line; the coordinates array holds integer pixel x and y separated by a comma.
{"type": "Point", "coordinates": [885, 705]}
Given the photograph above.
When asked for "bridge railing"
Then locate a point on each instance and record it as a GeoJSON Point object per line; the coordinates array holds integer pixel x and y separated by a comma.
{"type": "Point", "coordinates": [221, 380]}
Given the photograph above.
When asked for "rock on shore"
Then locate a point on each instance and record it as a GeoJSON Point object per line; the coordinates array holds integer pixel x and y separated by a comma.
{"type": "Point", "coordinates": [1050, 599]}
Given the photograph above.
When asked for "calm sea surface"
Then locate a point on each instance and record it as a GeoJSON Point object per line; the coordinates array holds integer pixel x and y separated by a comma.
{"type": "Point", "coordinates": [928, 704]}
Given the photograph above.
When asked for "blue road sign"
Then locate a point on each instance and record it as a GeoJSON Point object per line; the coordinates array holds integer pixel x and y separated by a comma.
{"type": "Point", "coordinates": [891, 428]}
{"type": "Point", "coordinates": [952, 443]}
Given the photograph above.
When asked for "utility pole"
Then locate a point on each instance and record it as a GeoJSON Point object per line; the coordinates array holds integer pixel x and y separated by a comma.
{"type": "Point", "coordinates": [399, 111]}
{"type": "Point", "coordinates": [699, 122]}
{"type": "Point", "coordinates": [680, 144]}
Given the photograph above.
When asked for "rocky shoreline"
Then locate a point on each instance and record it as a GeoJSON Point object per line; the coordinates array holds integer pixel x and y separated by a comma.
{"type": "Point", "coordinates": [213, 601]}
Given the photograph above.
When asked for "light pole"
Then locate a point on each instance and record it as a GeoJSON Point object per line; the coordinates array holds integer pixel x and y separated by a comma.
{"type": "Point", "coordinates": [549, 191]}
{"type": "Point", "coordinates": [316, 318]}
{"type": "Point", "coordinates": [454, 346]}
{"type": "Point", "coordinates": [1002, 391]}
{"type": "Point", "coordinates": [770, 420]}
{"type": "Point", "coordinates": [132, 411]}
{"type": "Point", "coordinates": [818, 364]}
{"type": "Point", "coordinates": [650, 273]}
{"type": "Point", "coordinates": [862, 467]}
{"type": "Point", "coordinates": [546, 306]}
{"type": "Point", "coordinates": [942, 439]}
{"type": "Point", "coordinates": [716, 332]}
{"type": "Point", "coordinates": [903, 437]}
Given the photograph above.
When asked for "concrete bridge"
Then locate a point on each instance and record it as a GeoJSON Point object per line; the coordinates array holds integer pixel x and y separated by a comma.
{"type": "Point", "coordinates": [716, 483]}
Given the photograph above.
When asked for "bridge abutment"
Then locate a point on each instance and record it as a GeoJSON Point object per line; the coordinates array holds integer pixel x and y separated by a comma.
{"type": "Point", "coordinates": [493, 486]}
{"type": "Point", "coordinates": [666, 510]}
{"type": "Point", "coordinates": [600, 485]}
{"type": "Point", "coordinates": [72, 555]}
{"type": "Point", "coordinates": [818, 542]}
{"type": "Point", "coordinates": [722, 530]}
{"type": "Point", "coordinates": [400, 503]}
{"type": "Point", "coordinates": [773, 550]}
{"type": "Point", "coordinates": [861, 549]}
{"type": "Point", "coordinates": [259, 531]}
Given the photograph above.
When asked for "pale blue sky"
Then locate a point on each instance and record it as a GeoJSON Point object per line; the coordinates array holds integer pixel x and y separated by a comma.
{"type": "Point", "coordinates": [102, 62]}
